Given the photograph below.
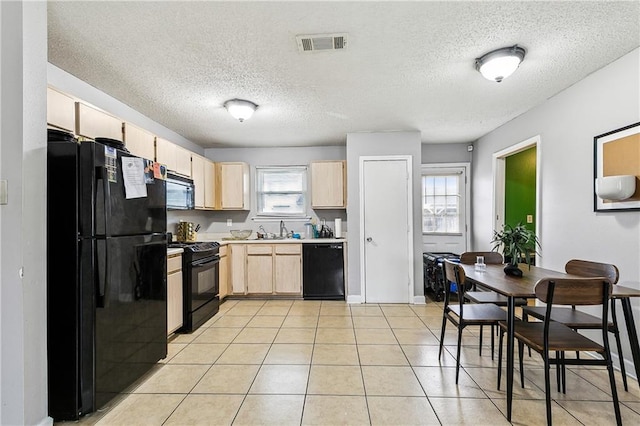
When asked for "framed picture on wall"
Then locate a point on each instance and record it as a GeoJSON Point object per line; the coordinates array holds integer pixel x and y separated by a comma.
{"type": "Point", "coordinates": [616, 171]}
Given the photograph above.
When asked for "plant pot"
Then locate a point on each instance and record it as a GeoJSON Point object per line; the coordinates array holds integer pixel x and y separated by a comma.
{"type": "Point", "coordinates": [512, 270]}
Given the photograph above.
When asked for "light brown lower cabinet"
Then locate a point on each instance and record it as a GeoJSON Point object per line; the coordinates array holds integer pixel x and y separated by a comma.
{"type": "Point", "coordinates": [259, 269]}
{"type": "Point", "coordinates": [237, 258]}
{"type": "Point", "coordinates": [223, 273]}
{"type": "Point", "coordinates": [265, 269]}
{"type": "Point", "coordinates": [288, 269]}
{"type": "Point", "coordinates": [174, 293]}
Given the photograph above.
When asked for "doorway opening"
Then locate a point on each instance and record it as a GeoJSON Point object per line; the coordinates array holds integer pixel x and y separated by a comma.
{"type": "Point", "coordinates": [516, 180]}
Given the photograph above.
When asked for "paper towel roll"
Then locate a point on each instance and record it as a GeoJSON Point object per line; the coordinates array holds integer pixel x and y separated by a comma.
{"type": "Point", "coordinates": [338, 229]}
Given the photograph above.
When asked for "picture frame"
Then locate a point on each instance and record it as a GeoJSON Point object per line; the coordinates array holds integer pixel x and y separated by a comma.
{"type": "Point", "coordinates": [617, 153]}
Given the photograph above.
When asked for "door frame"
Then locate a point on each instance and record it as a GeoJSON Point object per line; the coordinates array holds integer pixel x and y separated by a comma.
{"type": "Point", "coordinates": [467, 195]}
{"type": "Point", "coordinates": [408, 159]}
{"type": "Point", "coordinates": [499, 176]}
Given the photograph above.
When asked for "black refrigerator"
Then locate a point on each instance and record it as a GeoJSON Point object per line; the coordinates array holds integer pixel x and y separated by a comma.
{"type": "Point", "coordinates": [106, 275]}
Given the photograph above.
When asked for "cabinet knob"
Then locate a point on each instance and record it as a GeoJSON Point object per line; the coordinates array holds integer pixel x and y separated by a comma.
{"type": "Point", "coordinates": [369, 239]}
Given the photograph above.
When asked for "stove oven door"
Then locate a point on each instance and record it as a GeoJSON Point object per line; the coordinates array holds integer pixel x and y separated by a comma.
{"type": "Point", "coordinates": [204, 281]}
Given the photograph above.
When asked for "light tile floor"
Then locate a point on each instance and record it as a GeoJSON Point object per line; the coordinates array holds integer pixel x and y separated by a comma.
{"type": "Point", "coordinates": [300, 362]}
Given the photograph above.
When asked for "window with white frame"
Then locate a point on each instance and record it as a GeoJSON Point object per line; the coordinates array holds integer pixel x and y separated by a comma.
{"type": "Point", "coordinates": [281, 191]}
{"type": "Point", "coordinates": [442, 212]}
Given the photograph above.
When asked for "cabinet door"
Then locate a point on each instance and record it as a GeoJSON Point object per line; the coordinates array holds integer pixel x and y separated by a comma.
{"type": "Point", "coordinates": [328, 185]}
{"type": "Point", "coordinates": [92, 123]}
{"type": "Point", "coordinates": [209, 184]}
{"type": "Point", "coordinates": [174, 301]}
{"type": "Point", "coordinates": [259, 268]}
{"type": "Point", "coordinates": [288, 276]}
{"type": "Point", "coordinates": [166, 153]}
{"type": "Point", "coordinates": [259, 273]}
{"type": "Point", "coordinates": [61, 110]}
{"type": "Point", "coordinates": [234, 186]}
{"type": "Point", "coordinates": [183, 161]}
{"type": "Point", "coordinates": [139, 142]}
{"type": "Point", "coordinates": [197, 171]}
{"type": "Point", "coordinates": [237, 266]}
{"type": "Point", "coordinates": [223, 273]}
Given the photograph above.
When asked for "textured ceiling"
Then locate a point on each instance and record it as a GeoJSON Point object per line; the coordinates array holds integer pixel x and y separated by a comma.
{"type": "Point", "coordinates": [408, 65]}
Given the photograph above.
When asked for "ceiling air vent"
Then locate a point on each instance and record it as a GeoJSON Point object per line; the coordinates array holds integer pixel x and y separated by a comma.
{"type": "Point", "coordinates": [322, 42]}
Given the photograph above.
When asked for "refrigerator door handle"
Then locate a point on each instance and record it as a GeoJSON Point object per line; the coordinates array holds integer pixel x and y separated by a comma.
{"type": "Point", "coordinates": [101, 173]}
{"type": "Point", "coordinates": [101, 284]}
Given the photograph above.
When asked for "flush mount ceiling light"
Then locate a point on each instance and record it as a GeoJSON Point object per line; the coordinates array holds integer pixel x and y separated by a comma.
{"type": "Point", "coordinates": [240, 109]}
{"type": "Point", "coordinates": [500, 63]}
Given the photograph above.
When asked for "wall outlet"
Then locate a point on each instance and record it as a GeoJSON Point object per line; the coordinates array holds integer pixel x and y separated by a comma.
{"type": "Point", "coordinates": [529, 218]}
{"type": "Point", "coordinates": [229, 222]}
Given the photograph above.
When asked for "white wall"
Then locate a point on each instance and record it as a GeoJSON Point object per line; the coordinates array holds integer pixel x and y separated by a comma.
{"type": "Point", "coordinates": [23, 220]}
{"type": "Point", "coordinates": [446, 153]}
{"type": "Point", "coordinates": [372, 144]}
{"type": "Point", "coordinates": [567, 123]}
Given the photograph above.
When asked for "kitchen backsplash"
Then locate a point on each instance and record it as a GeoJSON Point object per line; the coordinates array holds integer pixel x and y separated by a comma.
{"type": "Point", "coordinates": [215, 222]}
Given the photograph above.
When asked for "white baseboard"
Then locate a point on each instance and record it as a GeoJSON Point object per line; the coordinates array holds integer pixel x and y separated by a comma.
{"type": "Point", "coordinates": [419, 300]}
{"type": "Point", "coordinates": [354, 298]}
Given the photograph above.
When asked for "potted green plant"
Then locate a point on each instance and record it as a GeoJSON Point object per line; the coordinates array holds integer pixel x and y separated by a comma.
{"type": "Point", "coordinates": [517, 242]}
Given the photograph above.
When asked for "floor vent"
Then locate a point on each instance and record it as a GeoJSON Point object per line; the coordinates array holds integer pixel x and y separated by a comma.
{"type": "Point", "coordinates": [321, 42]}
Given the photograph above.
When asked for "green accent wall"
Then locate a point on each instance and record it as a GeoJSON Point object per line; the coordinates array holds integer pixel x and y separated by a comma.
{"type": "Point", "coordinates": [520, 188]}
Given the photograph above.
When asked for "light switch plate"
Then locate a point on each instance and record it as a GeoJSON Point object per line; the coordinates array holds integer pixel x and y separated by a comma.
{"type": "Point", "coordinates": [4, 192]}
{"type": "Point", "coordinates": [529, 218]}
{"type": "Point", "coordinates": [229, 222]}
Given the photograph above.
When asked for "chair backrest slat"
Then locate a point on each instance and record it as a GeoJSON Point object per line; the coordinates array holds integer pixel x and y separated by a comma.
{"type": "Point", "coordinates": [587, 268]}
{"type": "Point", "coordinates": [574, 291]}
{"type": "Point", "coordinates": [450, 274]}
{"type": "Point", "coordinates": [490, 257]}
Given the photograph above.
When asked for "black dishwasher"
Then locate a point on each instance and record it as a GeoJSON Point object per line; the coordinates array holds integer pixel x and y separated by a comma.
{"type": "Point", "coordinates": [323, 271]}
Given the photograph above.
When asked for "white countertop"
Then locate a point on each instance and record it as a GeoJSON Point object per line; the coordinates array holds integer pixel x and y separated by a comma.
{"type": "Point", "coordinates": [172, 251]}
{"type": "Point", "coordinates": [285, 241]}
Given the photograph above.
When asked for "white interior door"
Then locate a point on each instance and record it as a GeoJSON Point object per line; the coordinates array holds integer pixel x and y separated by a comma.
{"type": "Point", "coordinates": [387, 247]}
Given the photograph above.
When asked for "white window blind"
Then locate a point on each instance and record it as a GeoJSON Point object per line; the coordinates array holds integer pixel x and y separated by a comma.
{"type": "Point", "coordinates": [281, 191]}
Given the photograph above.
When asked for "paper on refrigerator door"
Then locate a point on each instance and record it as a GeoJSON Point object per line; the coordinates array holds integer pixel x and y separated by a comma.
{"type": "Point", "coordinates": [133, 176]}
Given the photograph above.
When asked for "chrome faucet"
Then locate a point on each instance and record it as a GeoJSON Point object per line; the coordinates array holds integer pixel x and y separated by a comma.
{"type": "Point", "coordinates": [283, 229]}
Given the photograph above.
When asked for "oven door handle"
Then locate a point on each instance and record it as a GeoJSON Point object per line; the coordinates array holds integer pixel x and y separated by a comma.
{"type": "Point", "coordinates": [205, 262]}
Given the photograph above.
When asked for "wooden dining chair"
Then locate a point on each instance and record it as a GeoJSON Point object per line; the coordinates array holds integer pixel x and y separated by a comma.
{"type": "Point", "coordinates": [550, 337]}
{"type": "Point", "coordinates": [480, 296]}
{"type": "Point", "coordinates": [465, 314]}
{"type": "Point", "coordinates": [579, 320]}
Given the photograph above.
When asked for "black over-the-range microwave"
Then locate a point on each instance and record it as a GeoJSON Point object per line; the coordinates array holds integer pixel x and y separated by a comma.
{"type": "Point", "coordinates": [180, 192]}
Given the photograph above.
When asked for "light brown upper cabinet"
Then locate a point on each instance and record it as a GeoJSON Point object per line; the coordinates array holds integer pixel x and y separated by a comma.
{"type": "Point", "coordinates": [233, 186]}
{"type": "Point", "coordinates": [210, 184]}
{"type": "Point", "coordinates": [139, 142]}
{"type": "Point", "coordinates": [328, 185]}
{"type": "Point", "coordinates": [204, 179]}
{"type": "Point", "coordinates": [61, 110]}
{"type": "Point", "coordinates": [92, 123]}
{"type": "Point", "coordinates": [175, 157]}
{"type": "Point", "coordinates": [197, 173]}
{"type": "Point", "coordinates": [183, 161]}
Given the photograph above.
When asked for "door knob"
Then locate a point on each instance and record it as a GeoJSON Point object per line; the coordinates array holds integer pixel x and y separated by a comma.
{"type": "Point", "coordinates": [369, 239]}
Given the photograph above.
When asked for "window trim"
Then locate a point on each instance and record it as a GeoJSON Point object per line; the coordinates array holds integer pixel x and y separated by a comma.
{"type": "Point", "coordinates": [461, 187]}
{"type": "Point", "coordinates": [261, 216]}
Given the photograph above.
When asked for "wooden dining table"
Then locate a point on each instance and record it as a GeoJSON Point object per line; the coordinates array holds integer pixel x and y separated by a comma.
{"type": "Point", "coordinates": [494, 278]}
{"type": "Point", "coordinates": [624, 291]}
